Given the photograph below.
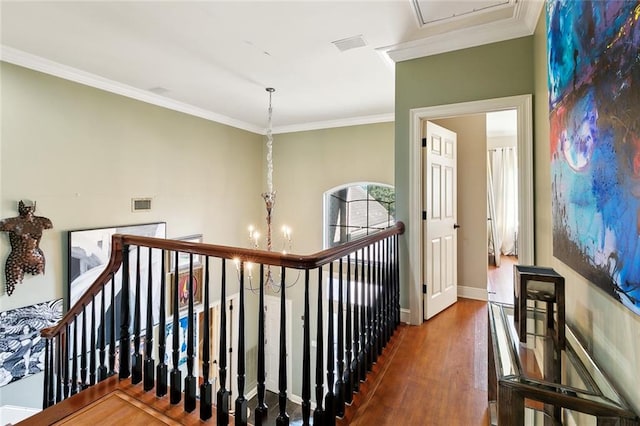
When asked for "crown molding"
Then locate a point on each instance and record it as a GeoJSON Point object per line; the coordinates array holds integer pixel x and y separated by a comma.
{"type": "Point", "coordinates": [37, 63]}
{"type": "Point", "coordinates": [522, 24]}
{"type": "Point", "coordinates": [329, 124]}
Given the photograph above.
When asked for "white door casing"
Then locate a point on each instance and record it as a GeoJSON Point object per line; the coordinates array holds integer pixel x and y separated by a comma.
{"type": "Point", "coordinates": [440, 250]}
{"type": "Point", "coordinates": [523, 105]}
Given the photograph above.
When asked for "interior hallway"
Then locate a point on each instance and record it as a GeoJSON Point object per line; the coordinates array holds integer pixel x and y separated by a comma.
{"type": "Point", "coordinates": [437, 373]}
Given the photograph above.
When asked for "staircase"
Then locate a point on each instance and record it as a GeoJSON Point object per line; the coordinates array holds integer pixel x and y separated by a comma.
{"type": "Point", "coordinates": [168, 376]}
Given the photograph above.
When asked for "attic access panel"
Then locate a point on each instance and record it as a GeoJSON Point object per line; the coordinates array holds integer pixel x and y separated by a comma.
{"type": "Point", "coordinates": [432, 12]}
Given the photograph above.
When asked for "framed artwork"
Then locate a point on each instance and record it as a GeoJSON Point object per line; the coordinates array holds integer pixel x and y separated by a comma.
{"type": "Point", "coordinates": [183, 330]}
{"type": "Point", "coordinates": [88, 255]}
{"type": "Point", "coordinates": [183, 288]}
{"type": "Point", "coordinates": [183, 258]}
{"type": "Point", "coordinates": [595, 142]}
{"type": "Point", "coordinates": [21, 347]}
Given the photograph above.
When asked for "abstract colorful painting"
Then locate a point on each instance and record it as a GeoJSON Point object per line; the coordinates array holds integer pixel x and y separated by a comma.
{"type": "Point", "coordinates": [21, 348]}
{"type": "Point", "coordinates": [594, 100]}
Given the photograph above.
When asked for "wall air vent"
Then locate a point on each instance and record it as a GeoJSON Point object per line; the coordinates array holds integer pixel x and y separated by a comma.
{"type": "Point", "coordinates": [350, 43]}
{"type": "Point", "coordinates": [140, 204]}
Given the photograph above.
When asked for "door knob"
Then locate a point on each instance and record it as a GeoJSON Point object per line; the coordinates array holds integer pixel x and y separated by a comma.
{"type": "Point", "coordinates": [456, 226]}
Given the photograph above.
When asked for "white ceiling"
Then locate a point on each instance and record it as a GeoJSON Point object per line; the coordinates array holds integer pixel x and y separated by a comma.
{"type": "Point", "coordinates": [214, 59]}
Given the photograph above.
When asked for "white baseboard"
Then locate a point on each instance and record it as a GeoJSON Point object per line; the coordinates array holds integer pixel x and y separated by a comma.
{"type": "Point", "coordinates": [405, 316]}
{"type": "Point", "coordinates": [472, 293]}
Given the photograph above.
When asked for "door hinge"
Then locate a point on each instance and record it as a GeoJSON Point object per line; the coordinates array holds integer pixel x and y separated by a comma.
{"type": "Point", "coordinates": [424, 289]}
{"type": "Point", "coordinates": [424, 215]}
{"type": "Point", "coordinates": [424, 142]}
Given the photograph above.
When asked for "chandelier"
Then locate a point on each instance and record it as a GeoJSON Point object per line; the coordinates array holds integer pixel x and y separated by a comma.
{"type": "Point", "coordinates": [269, 198]}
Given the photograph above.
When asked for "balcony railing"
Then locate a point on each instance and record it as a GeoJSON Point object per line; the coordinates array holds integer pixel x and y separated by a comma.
{"type": "Point", "coordinates": [134, 301]}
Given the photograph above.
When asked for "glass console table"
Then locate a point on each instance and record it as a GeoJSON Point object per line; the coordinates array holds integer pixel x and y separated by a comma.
{"type": "Point", "coordinates": [551, 380]}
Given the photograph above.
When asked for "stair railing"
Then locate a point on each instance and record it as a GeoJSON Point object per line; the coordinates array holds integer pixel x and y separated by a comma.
{"type": "Point", "coordinates": [110, 330]}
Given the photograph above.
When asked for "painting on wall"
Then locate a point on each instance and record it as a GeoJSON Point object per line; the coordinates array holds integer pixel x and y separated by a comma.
{"type": "Point", "coordinates": [21, 347]}
{"type": "Point", "coordinates": [594, 104]}
{"type": "Point", "coordinates": [183, 330]}
{"type": "Point", "coordinates": [88, 256]}
{"type": "Point", "coordinates": [183, 288]}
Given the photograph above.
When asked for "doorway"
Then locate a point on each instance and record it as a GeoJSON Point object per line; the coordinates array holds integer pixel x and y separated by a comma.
{"type": "Point", "coordinates": [502, 203]}
{"type": "Point", "coordinates": [522, 105]}
{"type": "Point", "coordinates": [272, 342]}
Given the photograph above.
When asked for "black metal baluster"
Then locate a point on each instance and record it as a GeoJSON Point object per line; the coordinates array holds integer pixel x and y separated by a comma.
{"type": "Point", "coordinates": [348, 384]}
{"type": "Point", "coordinates": [102, 370]}
{"type": "Point", "coordinates": [92, 354]}
{"type": "Point", "coordinates": [206, 401]}
{"type": "Point", "coordinates": [56, 373]}
{"type": "Point", "coordinates": [389, 287]}
{"type": "Point", "coordinates": [64, 360]}
{"type": "Point", "coordinates": [384, 283]}
{"type": "Point", "coordinates": [362, 359]}
{"type": "Point", "coordinates": [396, 270]}
{"type": "Point", "coordinates": [306, 356]}
{"type": "Point", "coordinates": [83, 352]}
{"type": "Point", "coordinates": [136, 358]}
{"type": "Point", "coordinates": [261, 409]}
{"type": "Point", "coordinates": [48, 373]}
{"type": "Point", "coordinates": [222, 408]}
{"type": "Point", "coordinates": [329, 400]}
{"type": "Point", "coordinates": [175, 393]}
{"type": "Point", "coordinates": [125, 370]}
{"type": "Point", "coordinates": [161, 369]}
{"type": "Point", "coordinates": [369, 351]}
{"type": "Point", "coordinates": [355, 371]}
{"type": "Point", "coordinates": [283, 417]}
{"type": "Point", "coordinates": [318, 413]}
{"type": "Point", "coordinates": [379, 301]}
{"type": "Point", "coordinates": [241, 401]}
{"type": "Point", "coordinates": [374, 304]}
{"type": "Point", "coordinates": [149, 363]}
{"type": "Point", "coordinates": [112, 329]}
{"type": "Point", "coordinates": [62, 384]}
{"type": "Point", "coordinates": [74, 360]}
{"type": "Point", "coordinates": [380, 298]}
{"type": "Point", "coordinates": [339, 390]}
{"type": "Point", "coordinates": [190, 380]}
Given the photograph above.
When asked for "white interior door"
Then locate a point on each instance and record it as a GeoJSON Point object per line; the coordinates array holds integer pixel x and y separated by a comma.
{"type": "Point", "coordinates": [272, 342]}
{"type": "Point", "coordinates": [439, 243]}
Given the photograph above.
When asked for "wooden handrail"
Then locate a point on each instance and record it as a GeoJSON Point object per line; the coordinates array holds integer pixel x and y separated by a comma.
{"type": "Point", "coordinates": [118, 241]}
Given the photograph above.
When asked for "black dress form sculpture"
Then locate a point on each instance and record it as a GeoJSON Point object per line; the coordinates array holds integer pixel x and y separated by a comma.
{"type": "Point", "coordinates": [25, 232]}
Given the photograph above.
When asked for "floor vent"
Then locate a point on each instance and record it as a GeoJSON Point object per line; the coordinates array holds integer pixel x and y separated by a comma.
{"type": "Point", "coordinates": [140, 204]}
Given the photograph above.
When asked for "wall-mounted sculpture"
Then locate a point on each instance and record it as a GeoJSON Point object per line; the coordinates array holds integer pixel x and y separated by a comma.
{"type": "Point", "coordinates": [25, 232]}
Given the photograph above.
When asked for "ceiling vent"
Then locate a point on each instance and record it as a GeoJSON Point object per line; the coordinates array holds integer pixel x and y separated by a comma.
{"type": "Point", "coordinates": [158, 90]}
{"type": "Point", "coordinates": [350, 43]}
{"type": "Point", "coordinates": [140, 204]}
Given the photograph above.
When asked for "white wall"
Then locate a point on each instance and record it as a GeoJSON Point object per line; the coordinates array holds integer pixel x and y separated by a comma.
{"type": "Point", "coordinates": [502, 141]}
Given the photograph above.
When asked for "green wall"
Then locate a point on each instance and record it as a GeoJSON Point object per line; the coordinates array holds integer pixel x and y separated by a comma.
{"type": "Point", "coordinates": [82, 154]}
{"type": "Point", "coordinates": [486, 72]}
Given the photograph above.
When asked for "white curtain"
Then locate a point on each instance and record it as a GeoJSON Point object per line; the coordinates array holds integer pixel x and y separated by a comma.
{"type": "Point", "coordinates": [503, 164]}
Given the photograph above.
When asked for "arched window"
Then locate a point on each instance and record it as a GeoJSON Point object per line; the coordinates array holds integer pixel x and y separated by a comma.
{"type": "Point", "coordinates": [357, 209]}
